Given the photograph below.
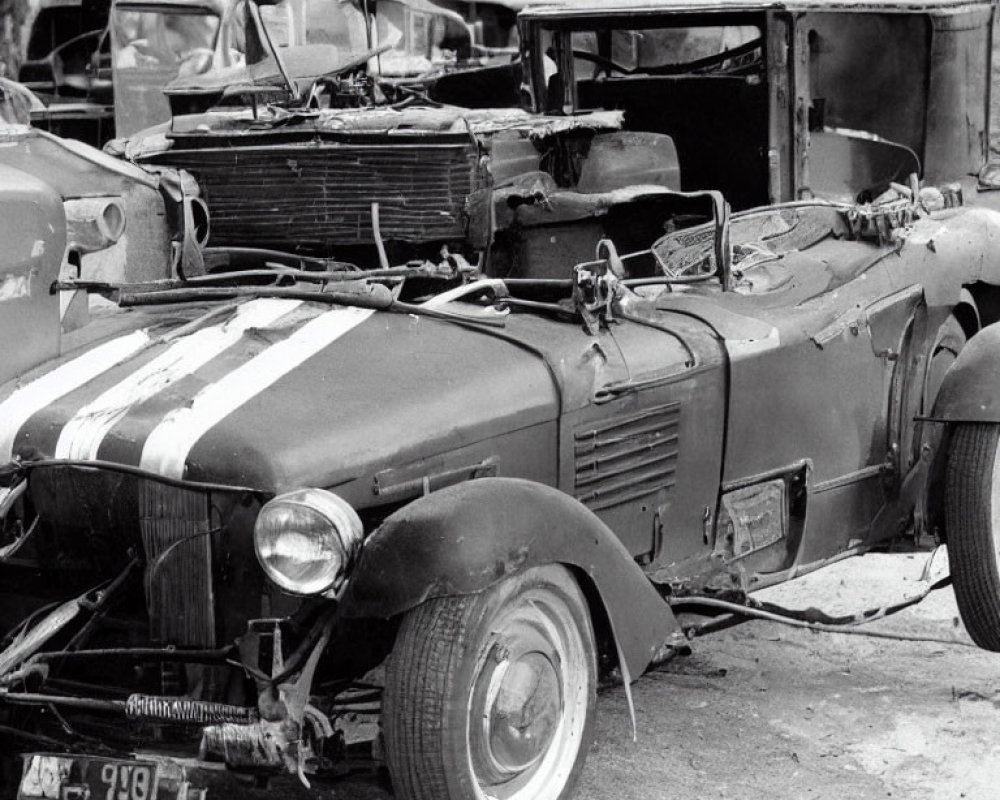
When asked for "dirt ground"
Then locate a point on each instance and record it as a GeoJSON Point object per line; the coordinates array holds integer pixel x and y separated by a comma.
{"type": "Point", "coordinates": [767, 711]}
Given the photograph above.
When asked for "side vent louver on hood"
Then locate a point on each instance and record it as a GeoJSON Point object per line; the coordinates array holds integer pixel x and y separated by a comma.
{"type": "Point", "coordinates": [626, 458]}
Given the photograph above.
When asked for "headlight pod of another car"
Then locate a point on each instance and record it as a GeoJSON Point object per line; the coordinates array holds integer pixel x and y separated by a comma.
{"type": "Point", "coordinates": [306, 541]}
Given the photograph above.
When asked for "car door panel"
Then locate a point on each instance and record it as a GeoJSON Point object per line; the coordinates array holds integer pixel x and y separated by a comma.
{"type": "Point", "coordinates": [647, 452]}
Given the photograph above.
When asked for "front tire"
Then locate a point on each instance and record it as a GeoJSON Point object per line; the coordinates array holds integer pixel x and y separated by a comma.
{"type": "Point", "coordinates": [972, 519]}
{"type": "Point", "coordinates": [492, 695]}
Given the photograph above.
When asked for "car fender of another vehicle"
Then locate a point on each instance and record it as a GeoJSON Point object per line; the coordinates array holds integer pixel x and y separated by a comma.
{"type": "Point", "coordinates": [33, 232]}
{"type": "Point", "coordinates": [970, 391]}
{"type": "Point", "coordinates": [465, 538]}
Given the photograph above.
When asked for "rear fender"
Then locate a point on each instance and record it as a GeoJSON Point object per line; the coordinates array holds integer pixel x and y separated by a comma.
{"type": "Point", "coordinates": [970, 391]}
{"type": "Point", "coordinates": [465, 538]}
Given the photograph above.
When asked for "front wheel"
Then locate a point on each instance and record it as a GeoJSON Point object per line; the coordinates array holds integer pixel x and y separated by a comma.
{"type": "Point", "coordinates": [972, 519]}
{"type": "Point", "coordinates": [492, 695]}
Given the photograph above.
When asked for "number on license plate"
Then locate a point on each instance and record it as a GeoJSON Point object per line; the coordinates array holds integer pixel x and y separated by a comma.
{"type": "Point", "coordinates": [127, 781]}
{"type": "Point", "coordinates": [72, 777]}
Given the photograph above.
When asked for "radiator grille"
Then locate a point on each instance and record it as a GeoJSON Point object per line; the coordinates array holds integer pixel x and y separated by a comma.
{"type": "Point", "coordinates": [175, 529]}
{"type": "Point", "coordinates": [319, 195]}
{"type": "Point", "coordinates": [626, 458]}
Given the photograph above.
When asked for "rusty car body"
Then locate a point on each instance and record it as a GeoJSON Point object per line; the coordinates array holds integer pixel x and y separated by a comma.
{"type": "Point", "coordinates": [438, 443]}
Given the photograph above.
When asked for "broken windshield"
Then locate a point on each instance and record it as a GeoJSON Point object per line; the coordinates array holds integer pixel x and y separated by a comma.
{"type": "Point", "coordinates": [303, 41]}
{"type": "Point", "coordinates": [653, 49]}
{"type": "Point", "coordinates": [414, 37]}
{"type": "Point", "coordinates": [697, 78]}
{"type": "Point", "coordinates": [291, 23]}
{"type": "Point", "coordinates": [153, 44]}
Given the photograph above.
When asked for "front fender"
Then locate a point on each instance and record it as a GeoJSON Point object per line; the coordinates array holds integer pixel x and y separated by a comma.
{"type": "Point", "coordinates": [465, 538]}
{"type": "Point", "coordinates": [970, 391]}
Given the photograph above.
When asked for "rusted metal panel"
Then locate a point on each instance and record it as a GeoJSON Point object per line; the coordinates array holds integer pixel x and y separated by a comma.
{"type": "Point", "coordinates": [781, 174]}
{"type": "Point", "coordinates": [958, 94]}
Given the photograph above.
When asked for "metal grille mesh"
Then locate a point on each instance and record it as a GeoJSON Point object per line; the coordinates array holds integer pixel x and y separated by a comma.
{"type": "Point", "coordinates": [321, 195]}
{"type": "Point", "coordinates": [175, 529]}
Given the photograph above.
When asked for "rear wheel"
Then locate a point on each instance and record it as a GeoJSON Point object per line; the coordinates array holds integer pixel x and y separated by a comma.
{"type": "Point", "coordinates": [492, 695]}
{"type": "Point", "coordinates": [972, 516]}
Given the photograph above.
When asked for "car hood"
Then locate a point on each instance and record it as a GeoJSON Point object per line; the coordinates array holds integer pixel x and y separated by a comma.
{"type": "Point", "coordinates": [418, 124]}
{"type": "Point", "coordinates": [273, 394]}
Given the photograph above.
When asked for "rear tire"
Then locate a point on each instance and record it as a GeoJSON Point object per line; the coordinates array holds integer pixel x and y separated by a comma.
{"type": "Point", "coordinates": [492, 695]}
{"type": "Point", "coordinates": [972, 518]}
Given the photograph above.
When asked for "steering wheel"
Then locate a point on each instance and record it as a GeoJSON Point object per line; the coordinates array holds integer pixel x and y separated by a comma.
{"type": "Point", "coordinates": [606, 63]}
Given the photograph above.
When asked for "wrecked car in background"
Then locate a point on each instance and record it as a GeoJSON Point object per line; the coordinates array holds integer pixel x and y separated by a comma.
{"type": "Point", "coordinates": [67, 63]}
{"type": "Point", "coordinates": [176, 55]}
{"type": "Point", "coordinates": [17, 102]}
{"type": "Point", "coordinates": [100, 67]}
{"type": "Point", "coordinates": [438, 448]}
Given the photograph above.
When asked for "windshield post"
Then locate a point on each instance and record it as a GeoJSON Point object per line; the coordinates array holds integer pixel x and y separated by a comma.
{"type": "Point", "coordinates": [254, 11]}
{"type": "Point", "coordinates": [368, 24]}
{"type": "Point", "coordinates": [723, 249]}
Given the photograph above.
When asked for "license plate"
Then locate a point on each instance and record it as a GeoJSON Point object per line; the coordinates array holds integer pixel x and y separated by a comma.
{"type": "Point", "coordinates": [59, 777]}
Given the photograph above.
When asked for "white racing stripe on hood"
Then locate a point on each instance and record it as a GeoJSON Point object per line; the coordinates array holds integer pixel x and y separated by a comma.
{"type": "Point", "coordinates": [168, 446]}
{"type": "Point", "coordinates": [24, 402]}
{"type": "Point", "coordinates": [83, 434]}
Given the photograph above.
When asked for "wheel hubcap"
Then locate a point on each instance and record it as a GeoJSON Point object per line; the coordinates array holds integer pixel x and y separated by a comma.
{"type": "Point", "coordinates": [528, 703]}
{"type": "Point", "coordinates": [524, 714]}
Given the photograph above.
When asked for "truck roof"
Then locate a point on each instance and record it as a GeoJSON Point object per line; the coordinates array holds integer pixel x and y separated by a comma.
{"type": "Point", "coordinates": [205, 6]}
{"type": "Point", "coordinates": [599, 8]}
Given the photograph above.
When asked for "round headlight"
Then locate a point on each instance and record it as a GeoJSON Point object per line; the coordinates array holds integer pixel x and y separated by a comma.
{"type": "Point", "coordinates": [307, 540]}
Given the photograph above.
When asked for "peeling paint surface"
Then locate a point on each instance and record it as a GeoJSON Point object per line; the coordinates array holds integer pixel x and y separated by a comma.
{"type": "Point", "coordinates": [15, 287]}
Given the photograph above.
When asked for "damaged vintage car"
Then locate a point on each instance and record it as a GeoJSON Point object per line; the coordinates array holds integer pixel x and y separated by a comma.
{"type": "Point", "coordinates": [100, 67]}
{"type": "Point", "coordinates": [67, 63]}
{"type": "Point", "coordinates": [448, 419]}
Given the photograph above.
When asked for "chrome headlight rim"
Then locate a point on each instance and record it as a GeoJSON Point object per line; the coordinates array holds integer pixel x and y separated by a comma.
{"type": "Point", "coordinates": [345, 533]}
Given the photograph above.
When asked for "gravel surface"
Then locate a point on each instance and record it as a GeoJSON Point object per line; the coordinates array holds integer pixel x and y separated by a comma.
{"type": "Point", "coordinates": [768, 711]}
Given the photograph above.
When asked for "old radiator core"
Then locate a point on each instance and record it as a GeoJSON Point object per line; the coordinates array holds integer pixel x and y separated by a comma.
{"type": "Point", "coordinates": [175, 527]}
{"type": "Point", "coordinates": [319, 194]}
